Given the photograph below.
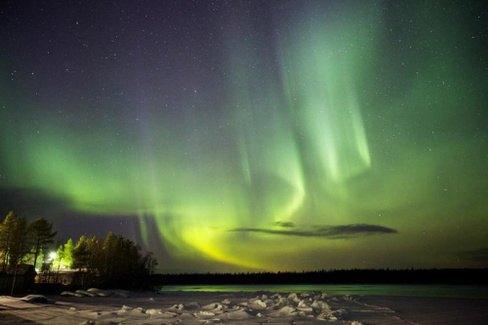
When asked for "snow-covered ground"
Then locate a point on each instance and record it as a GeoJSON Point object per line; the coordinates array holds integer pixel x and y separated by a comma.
{"type": "Point", "coordinates": [122, 307]}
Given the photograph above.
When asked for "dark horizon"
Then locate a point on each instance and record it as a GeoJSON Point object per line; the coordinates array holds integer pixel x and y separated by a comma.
{"type": "Point", "coordinates": [353, 276]}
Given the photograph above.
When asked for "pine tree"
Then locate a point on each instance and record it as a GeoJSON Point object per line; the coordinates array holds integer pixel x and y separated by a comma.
{"type": "Point", "coordinates": [110, 253]}
{"type": "Point", "coordinates": [41, 233]}
{"type": "Point", "coordinates": [7, 229]}
{"type": "Point", "coordinates": [80, 253]}
{"type": "Point", "coordinates": [18, 241]}
{"type": "Point", "coordinates": [67, 262]}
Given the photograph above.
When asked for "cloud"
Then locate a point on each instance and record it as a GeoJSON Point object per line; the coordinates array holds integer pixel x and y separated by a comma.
{"type": "Point", "coordinates": [332, 232]}
{"type": "Point", "coordinates": [285, 224]}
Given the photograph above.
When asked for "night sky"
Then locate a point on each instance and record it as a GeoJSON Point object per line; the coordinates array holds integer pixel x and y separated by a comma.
{"type": "Point", "coordinates": [252, 135]}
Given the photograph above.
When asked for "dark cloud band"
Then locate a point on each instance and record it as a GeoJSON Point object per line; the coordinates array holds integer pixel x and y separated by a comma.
{"type": "Point", "coordinates": [333, 232]}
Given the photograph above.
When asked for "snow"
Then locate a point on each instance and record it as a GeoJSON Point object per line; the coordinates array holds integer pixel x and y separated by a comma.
{"type": "Point", "coordinates": [95, 306]}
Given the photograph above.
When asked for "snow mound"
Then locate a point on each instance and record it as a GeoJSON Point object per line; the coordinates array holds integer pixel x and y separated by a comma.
{"type": "Point", "coordinates": [35, 298]}
{"type": "Point", "coordinates": [85, 293]}
{"type": "Point", "coordinates": [73, 294]}
{"type": "Point", "coordinates": [98, 292]}
{"type": "Point", "coordinates": [153, 312]}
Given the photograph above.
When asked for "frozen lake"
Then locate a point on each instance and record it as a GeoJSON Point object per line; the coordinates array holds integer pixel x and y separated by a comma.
{"type": "Point", "coordinates": [439, 291]}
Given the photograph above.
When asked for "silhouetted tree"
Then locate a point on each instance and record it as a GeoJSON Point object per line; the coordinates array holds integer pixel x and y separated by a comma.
{"type": "Point", "coordinates": [18, 245]}
{"type": "Point", "coordinates": [80, 253]}
{"type": "Point", "coordinates": [40, 233]}
{"type": "Point", "coordinates": [18, 241]}
{"type": "Point", "coordinates": [121, 257]}
{"type": "Point", "coordinates": [110, 252]}
{"type": "Point", "coordinates": [149, 263]}
{"type": "Point", "coordinates": [7, 232]}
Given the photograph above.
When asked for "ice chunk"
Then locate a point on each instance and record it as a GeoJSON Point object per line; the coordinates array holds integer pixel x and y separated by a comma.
{"type": "Point", "coordinates": [258, 304]}
{"type": "Point", "coordinates": [226, 302]}
{"type": "Point", "coordinates": [282, 302]}
{"type": "Point", "coordinates": [213, 305]}
{"type": "Point", "coordinates": [177, 307]}
{"type": "Point", "coordinates": [204, 313]}
{"type": "Point", "coordinates": [284, 312]}
{"type": "Point", "coordinates": [302, 306]}
{"type": "Point", "coordinates": [319, 306]}
{"type": "Point", "coordinates": [293, 297]}
{"type": "Point", "coordinates": [327, 316]}
{"type": "Point", "coordinates": [153, 312]}
{"type": "Point", "coordinates": [167, 314]}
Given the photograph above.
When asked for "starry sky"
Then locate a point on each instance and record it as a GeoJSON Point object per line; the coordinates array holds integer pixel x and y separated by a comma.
{"type": "Point", "coordinates": [252, 135]}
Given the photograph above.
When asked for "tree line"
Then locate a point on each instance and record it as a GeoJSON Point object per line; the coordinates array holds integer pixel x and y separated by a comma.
{"type": "Point", "coordinates": [352, 276]}
{"type": "Point", "coordinates": [113, 261]}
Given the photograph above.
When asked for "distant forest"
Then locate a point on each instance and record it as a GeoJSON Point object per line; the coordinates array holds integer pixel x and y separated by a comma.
{"type": "Point", "coordinates": [354, 276]}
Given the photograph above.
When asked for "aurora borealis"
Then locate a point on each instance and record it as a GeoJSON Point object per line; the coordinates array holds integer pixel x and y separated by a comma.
{"type": "Point", "coordinates": [252, 135]}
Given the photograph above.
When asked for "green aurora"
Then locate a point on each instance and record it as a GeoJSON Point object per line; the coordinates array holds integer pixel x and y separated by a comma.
{"type": "Point", "coordinates": [278, 136]}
